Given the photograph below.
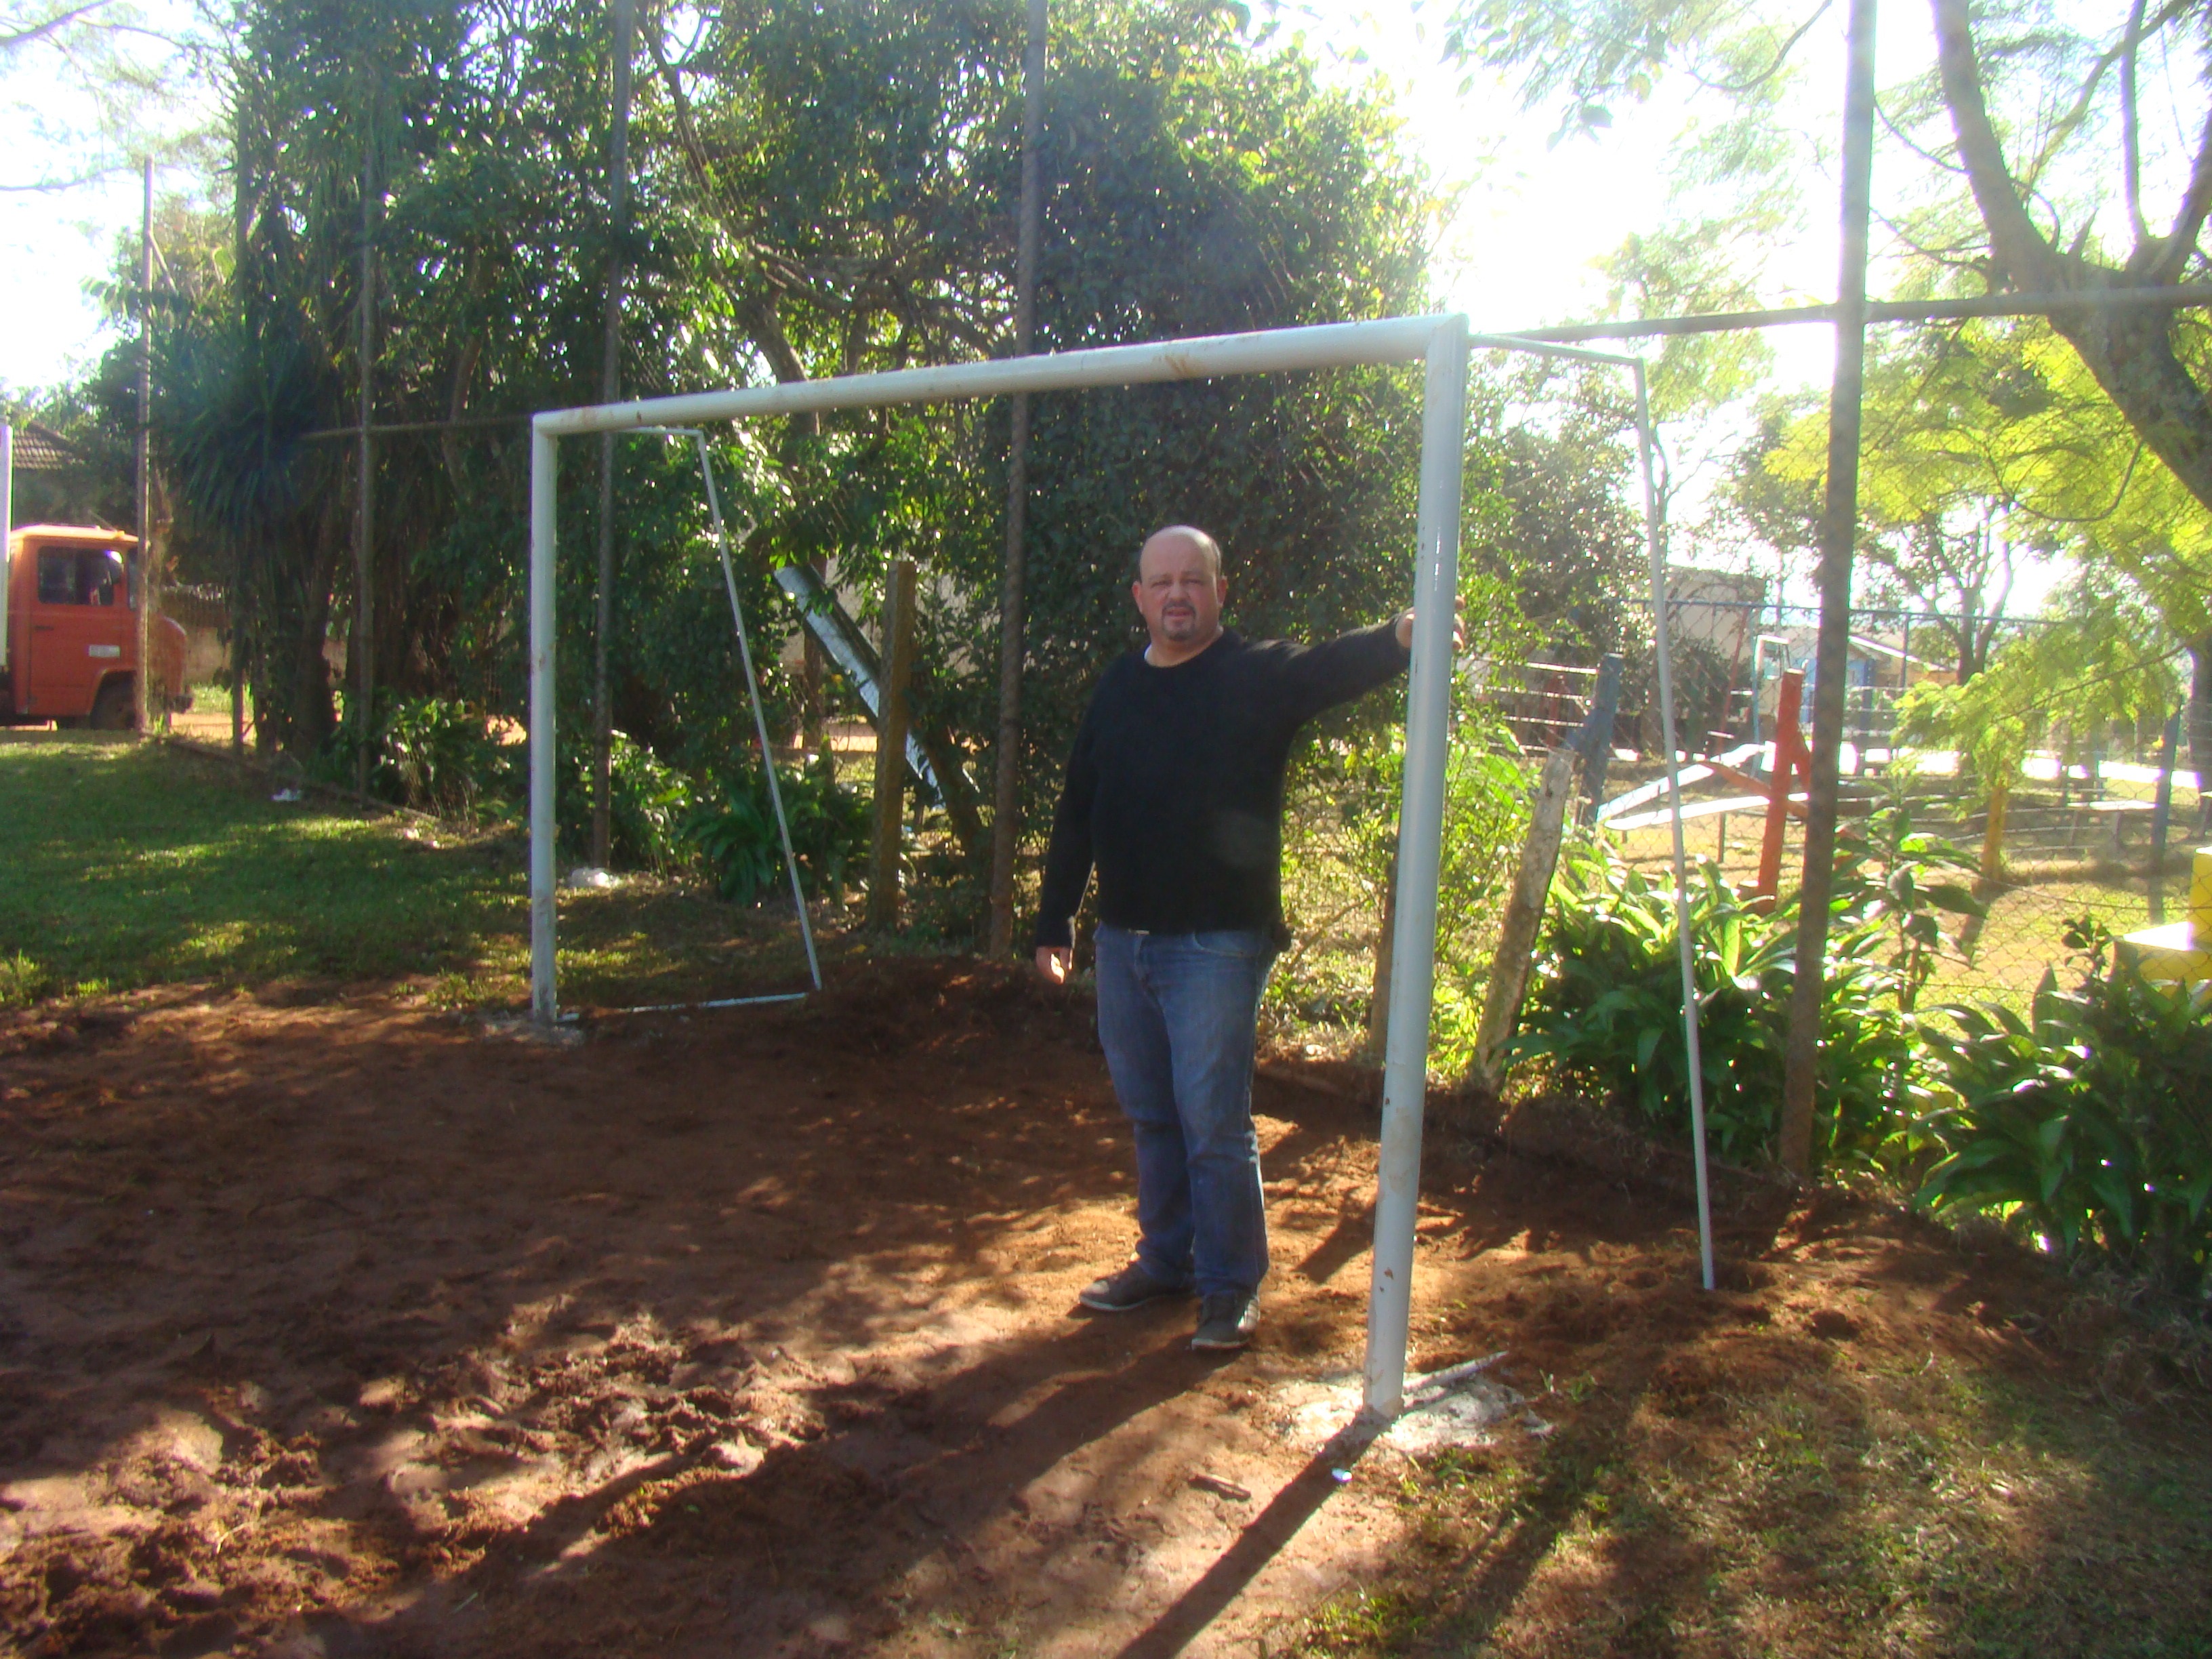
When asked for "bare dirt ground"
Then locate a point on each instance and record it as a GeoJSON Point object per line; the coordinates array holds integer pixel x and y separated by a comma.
{"type": "Point", "coordinates": [348, 1328]}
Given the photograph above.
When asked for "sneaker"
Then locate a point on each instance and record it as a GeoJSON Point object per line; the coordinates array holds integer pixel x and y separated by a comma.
{"type": "Point", "coordinates": [1227, 1321]}
{"type": "Point", "coordinates": [1132, 1287]}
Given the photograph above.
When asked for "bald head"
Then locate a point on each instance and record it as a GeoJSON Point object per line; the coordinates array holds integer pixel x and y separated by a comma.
{"type": "Point", "coordinates": [1179, 592]}
{"type": "Point", "coordinates": [1176, 538]}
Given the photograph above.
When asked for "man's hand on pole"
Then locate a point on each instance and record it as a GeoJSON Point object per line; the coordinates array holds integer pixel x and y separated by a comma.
{"type": "Point", "coordinates": [1459, 629]}
{"type": "Point", "coordinates": [1055, 962]}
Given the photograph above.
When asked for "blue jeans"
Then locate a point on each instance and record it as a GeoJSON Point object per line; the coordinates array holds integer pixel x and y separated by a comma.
{"type": "Point", "coordinates": [1177, 1016]}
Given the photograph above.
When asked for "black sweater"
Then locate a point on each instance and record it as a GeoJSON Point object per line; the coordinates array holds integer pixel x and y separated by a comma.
{"type": "Point", "coordinates": [1175, 789]}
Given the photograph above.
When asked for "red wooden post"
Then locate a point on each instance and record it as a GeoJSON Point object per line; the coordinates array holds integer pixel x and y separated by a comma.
{"type": "Point", "coordinates": [1792, 762]}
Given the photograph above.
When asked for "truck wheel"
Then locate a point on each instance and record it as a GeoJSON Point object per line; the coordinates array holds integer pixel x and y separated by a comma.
{"type": "Point", "coordinates": [115, 708]}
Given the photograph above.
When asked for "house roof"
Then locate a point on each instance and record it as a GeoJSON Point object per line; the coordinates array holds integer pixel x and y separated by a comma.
{"type": "Point", "coordinates": [41, 449]}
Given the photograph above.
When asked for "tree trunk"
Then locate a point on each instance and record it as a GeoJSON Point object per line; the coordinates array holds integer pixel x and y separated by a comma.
{"type": "Point", "coordinates": [1993, 831]}
{"type": "Point", "coordinates": [814, 666]}
{"type": "Point", "coordinates": [896, 656]}
{"type": "Point", "coordinates": [1839, 540]}
{"type": "Point", "coordinates": [2128, 351]}
{"type": "Point", "coordinates": [1005, 791]}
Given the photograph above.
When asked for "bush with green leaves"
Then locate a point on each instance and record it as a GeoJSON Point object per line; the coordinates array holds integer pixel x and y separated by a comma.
{"type": "Point", "coordinates": [649, 803]}
{"type": "Point", "coordinates": [1606, 1007]}
{"type": "Point", "coordinates": [1606, 1011]}
{"type": "Point", "coordinates": [433, 754]}
{"type": "Point", "coordinates": [736, 834]}
{"type": "Point", "coordinates": [1900, 881]}
{"type": "Point", "coordinates": [2086, 1123]}
{"type": "Point", "coordinates": [441, 756]}
{"type": "Point", "coordinates": [1341, 842]}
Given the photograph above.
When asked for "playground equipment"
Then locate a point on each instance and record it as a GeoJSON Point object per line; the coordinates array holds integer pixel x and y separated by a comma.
{"type": "Point", "coordinates": [2180, 951]}
{"type": "Point", "coordinates": [1442, 345]}
{"type": "Point", "coordinates": [931, 755]}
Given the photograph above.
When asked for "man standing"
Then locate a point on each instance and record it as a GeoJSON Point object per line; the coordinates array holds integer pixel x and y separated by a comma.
{"type": "Point", "coordinates": [1174, 794]}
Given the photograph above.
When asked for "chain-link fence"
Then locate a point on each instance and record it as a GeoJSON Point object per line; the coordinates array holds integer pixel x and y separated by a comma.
{"type": "Point", "coordinates": [2075, 839]}
{"type": "Point", "coordinates": [2064, 864]}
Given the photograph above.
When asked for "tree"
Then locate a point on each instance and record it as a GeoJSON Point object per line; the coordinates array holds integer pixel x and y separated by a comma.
{"type": "Point", "coordinates": [1549, 478]}
{"type": "Point", "coordinates": [2153, 364]}
{"type": "Point", "coordinates": [96, 86]}
{"type": "Point", "coordinates": [2046, 123]}
{"type": "Point", "coordinates": [2103, 657]}
{"type": "Point", "coordinates": [819, 191]}
{"type": "Point", "coordinates": [1937, 497]}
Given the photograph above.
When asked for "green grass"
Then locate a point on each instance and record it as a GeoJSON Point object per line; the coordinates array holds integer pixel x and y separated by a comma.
{"type": "Point", "coordinates": [1928, 1508]}
{"type": "Point", "coordinates": [134, 866]}
{"type": "Point", "coordinates": [131, 866]}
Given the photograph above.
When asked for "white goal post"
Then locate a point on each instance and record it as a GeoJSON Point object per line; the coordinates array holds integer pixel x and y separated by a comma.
{"type": "Point", "coordinates": [1442, 343]}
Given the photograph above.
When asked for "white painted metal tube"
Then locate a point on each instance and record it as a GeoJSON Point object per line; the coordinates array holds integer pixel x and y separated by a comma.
{"type": "Point", "coordinates": [718, 1002]}
{"type": "Point", "coordinates": [1328, 345]}
{"type": "Point", "coordinates": [6, 525]}
{"type": "Point", "coordinates": [760, 719]}
{"type": "Point", "coordinates": [545, 467]}
{"type": "Point", "coordinates": [1682, 857]}
{"type": "Point", "coordinates": [1551, 348]}
{"type": "Point", "coordinates": [1420, 843]}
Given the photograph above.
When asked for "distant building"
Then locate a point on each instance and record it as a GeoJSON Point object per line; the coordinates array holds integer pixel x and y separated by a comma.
{"type": "Point", "coordinates": [1717, 609]}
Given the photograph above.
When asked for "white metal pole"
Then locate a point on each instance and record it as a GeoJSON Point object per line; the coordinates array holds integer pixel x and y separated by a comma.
{"type": "Point", "coordinates": [545, 470]}
{"type": "Point", "coordinates": [1324, 345]}
{"type": "Point", "coordinates": [7, 525]}
{"type": "Point", "coordinates": [760, 719]}
{"type": "Point", "coordinates": [1675, 803]}
{"type": "Point", "coordinates": [1421, 839]}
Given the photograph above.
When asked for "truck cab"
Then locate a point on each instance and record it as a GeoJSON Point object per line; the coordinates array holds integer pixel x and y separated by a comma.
{"type": "Point", "coordinates": [69, 631]}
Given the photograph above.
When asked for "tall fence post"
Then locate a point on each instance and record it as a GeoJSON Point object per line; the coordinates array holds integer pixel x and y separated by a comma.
{"type": "Point", "coordinates": [545, 520]}
{"type": "Point", "coordinates": [6, 524]}
{"type": "Point", "coordinates": [143, 679]}
{"type": "Point", "coordinates": [363, 645]}
{"type": "Point", "coordinates": [893, 720]}
{"type": "Point", "coordinates": [1838, 541]}
{"type": "Point", "coordinates": [1005, 784]}
{"type": "Point", "coordinates": [603, 621]}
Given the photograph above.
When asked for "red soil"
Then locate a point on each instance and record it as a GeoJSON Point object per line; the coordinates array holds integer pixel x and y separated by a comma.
{"type": "Point", "coordinates": [351, 1329]}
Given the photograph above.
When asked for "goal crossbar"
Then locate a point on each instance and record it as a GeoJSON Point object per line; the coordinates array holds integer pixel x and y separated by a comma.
{"type": "Point", "coordinates": [1441, 343]}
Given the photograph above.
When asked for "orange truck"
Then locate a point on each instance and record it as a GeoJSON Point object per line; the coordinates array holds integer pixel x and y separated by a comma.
{"type": "Point", "coordinates": [69, 631]}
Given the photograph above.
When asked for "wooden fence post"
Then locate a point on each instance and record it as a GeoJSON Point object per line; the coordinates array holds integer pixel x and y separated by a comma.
{"type": "Point", "coordinates": [1524, 912]}
{"type": "Point", "coordinates": [1378, 999]}
{"type": "Point", "coordinates": [890, 746]}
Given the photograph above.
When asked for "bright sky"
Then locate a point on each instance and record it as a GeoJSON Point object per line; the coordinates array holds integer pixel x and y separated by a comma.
{"type": "Point", "coordinates": [1534, 217]}
{"type": "Point", "coordinates": [1520, 254]}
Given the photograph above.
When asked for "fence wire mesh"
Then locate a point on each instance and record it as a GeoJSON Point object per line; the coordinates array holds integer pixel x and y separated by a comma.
{"type": "Point", "coordinates": [2075, 844]}
{"type": "Point", "coordinates": [2077, 840]}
